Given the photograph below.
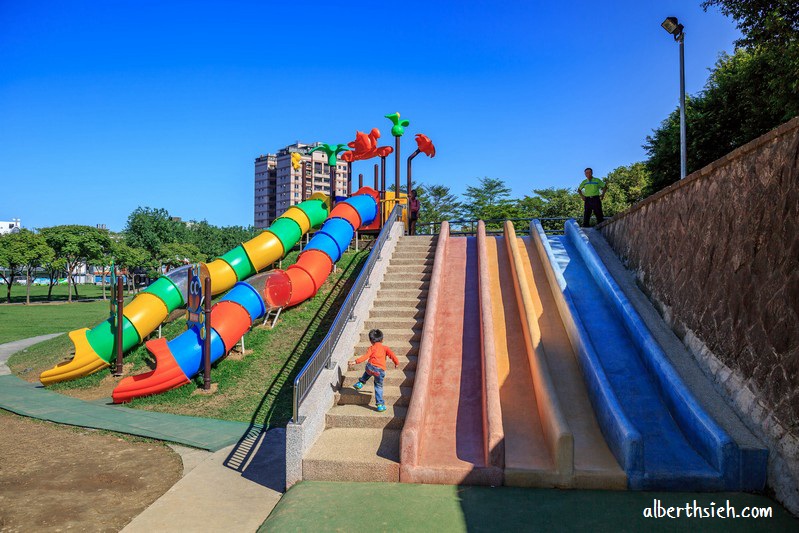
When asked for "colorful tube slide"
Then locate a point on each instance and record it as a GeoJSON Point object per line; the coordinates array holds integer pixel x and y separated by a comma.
{"type": "Point", "coordinates": [286, 288]}
{"type": "Point", "coordinates": [180, 359]}
{"type": "Point", "coordinates": [95, 348]}
{"type": "Point", "coordinates": [659, 433]}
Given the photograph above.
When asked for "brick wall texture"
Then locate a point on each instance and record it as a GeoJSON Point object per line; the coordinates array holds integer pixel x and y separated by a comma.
{"type": "Point", "coordinates": [720, 250]}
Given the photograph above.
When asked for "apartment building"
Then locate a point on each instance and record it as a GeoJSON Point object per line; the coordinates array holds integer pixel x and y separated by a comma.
{"type": "Point", "coordinates": [278, 185]}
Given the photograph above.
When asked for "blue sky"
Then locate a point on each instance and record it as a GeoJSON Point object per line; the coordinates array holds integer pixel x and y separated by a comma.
{"type": "Point", "coordinates": [105, 106]}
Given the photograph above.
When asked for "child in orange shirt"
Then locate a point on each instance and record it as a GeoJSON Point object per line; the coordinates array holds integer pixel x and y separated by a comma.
{"type": "Point", "coordinates": [376, 366]}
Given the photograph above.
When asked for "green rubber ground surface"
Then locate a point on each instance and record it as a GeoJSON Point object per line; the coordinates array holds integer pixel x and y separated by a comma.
{"type": "Point", "coordinates": [325, 506]}
{"type": "Point", "coordinates": [26, 399]}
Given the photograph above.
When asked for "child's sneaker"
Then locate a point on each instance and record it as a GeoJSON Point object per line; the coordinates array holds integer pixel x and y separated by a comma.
{"type": "Point", "coordinates": [381, 407]}
{"type": "Point", "coordinates": [358, 385]}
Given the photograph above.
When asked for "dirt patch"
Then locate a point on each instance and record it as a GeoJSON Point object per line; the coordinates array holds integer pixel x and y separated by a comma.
{"type": "Point", "coordinates": [57, 477]}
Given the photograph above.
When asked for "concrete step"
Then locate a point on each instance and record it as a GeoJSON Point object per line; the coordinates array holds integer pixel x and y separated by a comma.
{"type": "Point", "coordinates": [394, 377]}
{"type": "Point", "coordinates": [394, 322]}
{"type": "Point", "coordinates": [418, 238]}
{"type": "Point", "coordinates": [354, 455]}
{"type": "Point", "coordinates": [406, 283]}
{"type": "Point", "coordinates": [393, 337]}
{"type": "Point", "coordinates": [409, 268]}
{"type": "Point", "coordinates": [399, 313]}
{"type": "Point", "coordinates": [400, 348]}
{"type": "Point", "coordinates": [363, 416]}
{"type": "Point", "coordinates": [406, 362]}
{"type": "Point", "coordinates": [392, 395]}
{"type": "Point", "coordinates": [406, 294]}
{"type": "Point", "coordinates": [402, 275]}
{"type": "Point", "coordinates": [412, 254]}
{"type": "Point", "coordinates": [410, 261]}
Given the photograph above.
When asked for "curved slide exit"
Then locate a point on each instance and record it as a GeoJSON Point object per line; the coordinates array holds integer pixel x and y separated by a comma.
{"type": "Point", "coordinates": [95, 348]}
{"type": "Point", "coordinates": [180, 359]}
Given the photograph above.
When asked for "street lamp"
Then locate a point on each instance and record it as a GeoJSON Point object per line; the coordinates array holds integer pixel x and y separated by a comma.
{"type": "Point", "coordinates": [672, 26]}
{"type": "Point", "coordinates": [676, 29]}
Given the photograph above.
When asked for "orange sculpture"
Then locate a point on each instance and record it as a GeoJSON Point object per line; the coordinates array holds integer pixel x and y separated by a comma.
{"type": "Point", "coordinates": [365, 147]}
{"type": "Point", "coordinates": [425, 145]}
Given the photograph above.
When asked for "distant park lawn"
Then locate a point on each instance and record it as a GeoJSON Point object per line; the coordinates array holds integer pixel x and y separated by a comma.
{"type": "Point", "coordinates": [256, 388]}
{"type": "Point", "coordinates": [23, 321]}
{"type": "Point", "coordinates": [39, 293]}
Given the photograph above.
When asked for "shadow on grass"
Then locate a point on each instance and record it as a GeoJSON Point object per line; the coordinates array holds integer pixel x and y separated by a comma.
{"type": "Point", "coordinates": [274, 409]}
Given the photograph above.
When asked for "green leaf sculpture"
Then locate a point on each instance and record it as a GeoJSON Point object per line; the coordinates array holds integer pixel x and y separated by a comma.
{"type": "Point", "coordinates": [398, 129]}
{"type": "Point", "coordinates": [332, 151]}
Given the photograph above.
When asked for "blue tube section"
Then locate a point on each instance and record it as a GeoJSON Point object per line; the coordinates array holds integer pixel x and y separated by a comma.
{"type": "Point", "coordinates": [704, 435]}
{"type": "Point", "coordinates": [340, 231]}
{"type": "Point", "coordinates": [366, 207]}
{"type": "Point", "coordinates": [245, 295]}
{"type": "Point", "coordinates": [187, 348]}
{"type": "Point", "coordinates": [324, 243]}
{"type": "Point", "coordinates": [336, 233]}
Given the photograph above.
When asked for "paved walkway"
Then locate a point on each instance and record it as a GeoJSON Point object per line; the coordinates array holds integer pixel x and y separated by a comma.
{"type": "Point", "coordinates": [233, 489]}
{"type": "Point", "coordinates": [10, 348]}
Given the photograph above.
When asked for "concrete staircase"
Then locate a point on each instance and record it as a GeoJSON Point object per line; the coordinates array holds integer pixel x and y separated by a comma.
{"type": "Point", "coordinates": [360, 444]}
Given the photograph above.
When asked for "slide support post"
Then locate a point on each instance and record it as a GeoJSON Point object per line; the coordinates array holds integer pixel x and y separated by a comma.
{"type": "Point", "coordinates": [120, 305]}
{"type": "Point", "coordinates": [207, 337]}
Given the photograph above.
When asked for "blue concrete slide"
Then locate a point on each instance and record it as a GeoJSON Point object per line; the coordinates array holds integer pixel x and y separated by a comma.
{"type": "Point", "coordinates": [658, 431]}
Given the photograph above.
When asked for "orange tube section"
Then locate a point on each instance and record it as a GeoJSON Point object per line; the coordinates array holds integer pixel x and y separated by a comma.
{"type": "Point", "coordinates": [348, 213]}
{"type": "Point", "coordinates": [307, 275]}
{"type": "Point", "coordinates": [231, 321]}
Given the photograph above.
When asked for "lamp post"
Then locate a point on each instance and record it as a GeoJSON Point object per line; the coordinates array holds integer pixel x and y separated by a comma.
{"type": "Point", "coordinates": [672, 26]}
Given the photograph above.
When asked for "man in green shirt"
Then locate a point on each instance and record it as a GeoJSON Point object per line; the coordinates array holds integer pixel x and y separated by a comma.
{"type": "Point", "coordinates": [592, 197]}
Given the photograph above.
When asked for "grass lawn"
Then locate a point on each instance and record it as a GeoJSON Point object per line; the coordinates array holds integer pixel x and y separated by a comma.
{"type": "Point", "coordinates": [23, 321]}
{"type": "Point", "coordinates": [60, 294]}
{"type": "Point", "coordinates": [325, 506]}
{"type": "Point", "coordinates": [255, 389]}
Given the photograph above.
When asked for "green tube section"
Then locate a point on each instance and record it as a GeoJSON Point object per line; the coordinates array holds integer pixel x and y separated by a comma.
{"type": "Point", "coordinates": [316, 210]}
{"type": "Point", "coordinates": [240, 262]}
{"type": "Point", "coordinates": [287, 231]}
{"type": "Point", "coordinates": [101, 338]}
{"type": "Point", "coordinates": [165, 289]}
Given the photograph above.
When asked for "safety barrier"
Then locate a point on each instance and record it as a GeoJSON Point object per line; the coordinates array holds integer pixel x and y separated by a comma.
{"type": "Point", "coordinates": [321, 356]}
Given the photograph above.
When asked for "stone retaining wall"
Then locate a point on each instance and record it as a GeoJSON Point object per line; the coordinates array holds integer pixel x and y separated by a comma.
{"type": "Point", "coordinates": [718, 254]}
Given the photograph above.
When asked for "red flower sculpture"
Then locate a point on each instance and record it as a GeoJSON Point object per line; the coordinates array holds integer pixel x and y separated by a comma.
{"type": "Point", "coordinates": [425, 145]}
{"type": "Point", "coordinates": [365, 147]}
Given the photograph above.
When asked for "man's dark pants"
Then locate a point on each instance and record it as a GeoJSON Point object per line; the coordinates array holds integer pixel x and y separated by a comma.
{"type": "Point", "coordinates": [592, 204]}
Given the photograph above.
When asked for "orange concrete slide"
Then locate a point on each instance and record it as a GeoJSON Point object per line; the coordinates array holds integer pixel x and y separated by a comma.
{"type": "Point", "coordinates": [551, 434]}
{"type": "Point", "coordinates": [452, 433]}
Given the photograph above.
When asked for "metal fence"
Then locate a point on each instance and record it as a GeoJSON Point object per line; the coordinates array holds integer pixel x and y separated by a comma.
{"type": "Point", "coordinates": [552, 226]}
{"type": "Point", "coordinates": [321, 357]}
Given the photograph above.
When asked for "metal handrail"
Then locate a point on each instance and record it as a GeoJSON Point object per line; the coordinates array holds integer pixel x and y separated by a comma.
{"type": "Point", "coordinates": [324, 352]}
{"type": "Point", "coordinates": [469, 226]}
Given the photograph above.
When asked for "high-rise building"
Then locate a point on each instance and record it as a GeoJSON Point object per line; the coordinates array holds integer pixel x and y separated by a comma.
{"type": "Point", "coordinates": [278, 185]}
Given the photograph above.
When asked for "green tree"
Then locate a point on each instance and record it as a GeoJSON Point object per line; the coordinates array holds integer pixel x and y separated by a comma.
{"type": "Point", "coordinates": [761, 21]}
{"type": "Point", "coordinates": [176, 254]}
{"type": "Point", "coordinates": [152, 228]}
{"type": "Point", "coordinates": [437, 203]}
{"type": "Point", "coordinates": [626, 186]}
{"type": "Point", "coordinates": [490, 200]}
{"type": "Point", "coordinates": [129, 258]}
{"type": "Point", "coordinates": [76, 244]}
{"type": "Point", "coordinates": [23, 251]}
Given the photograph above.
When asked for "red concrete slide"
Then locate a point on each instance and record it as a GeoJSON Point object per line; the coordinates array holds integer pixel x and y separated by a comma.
{"type": "Point", "coordinates": [452, 433]}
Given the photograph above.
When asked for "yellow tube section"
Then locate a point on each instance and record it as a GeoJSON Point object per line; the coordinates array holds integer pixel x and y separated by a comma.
{"type": "Point", "coordinates": [145, 312]}
{"type": "Point", "coordinates": [222, 275]}
{"type": "Point", "coordinates": [85, 362]}
{"type": "Point", "coordinates": [265, 249]}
